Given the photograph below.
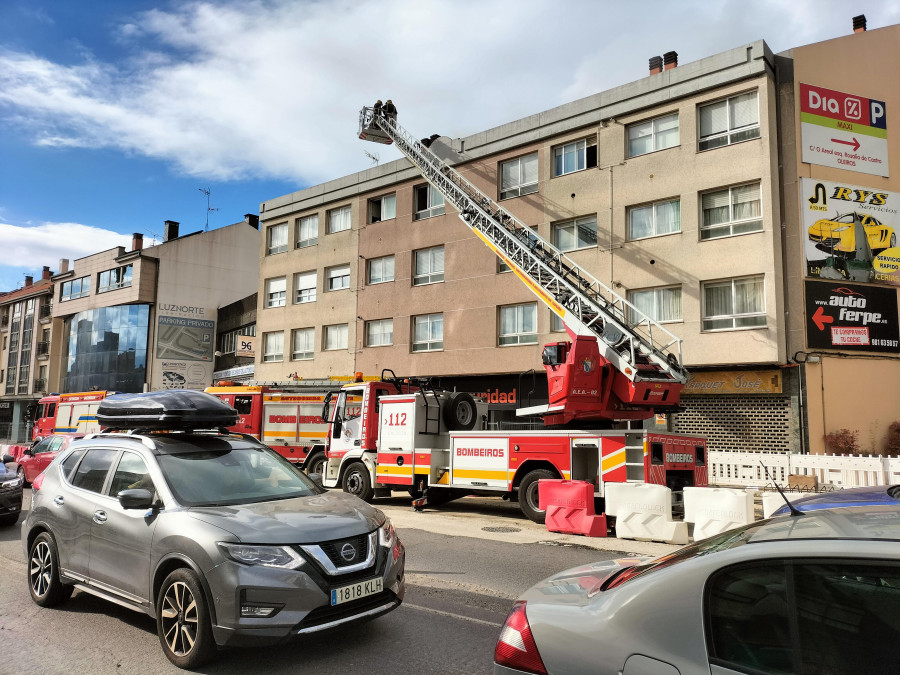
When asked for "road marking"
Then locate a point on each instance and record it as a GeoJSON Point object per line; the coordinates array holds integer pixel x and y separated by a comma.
{"type": "Point", "coordinates": [454, 616]}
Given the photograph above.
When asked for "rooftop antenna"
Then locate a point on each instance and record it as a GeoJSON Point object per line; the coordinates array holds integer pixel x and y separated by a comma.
{"type": "Point", "coordinates": [373, 156]}
{"type": "Point", "coordinates": [206, 191]}
{"type": "Point", "coordinates": [793, 509]}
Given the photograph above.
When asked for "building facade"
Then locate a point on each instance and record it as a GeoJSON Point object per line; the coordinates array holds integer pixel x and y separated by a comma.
{"type": "Point", "coordinates": [668, 189]}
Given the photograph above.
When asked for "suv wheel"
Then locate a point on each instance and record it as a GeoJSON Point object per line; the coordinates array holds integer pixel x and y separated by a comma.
{"type": "Point", "coordinates": [43, 573]}
{"type": "Point", "coordinates": [182, 620]}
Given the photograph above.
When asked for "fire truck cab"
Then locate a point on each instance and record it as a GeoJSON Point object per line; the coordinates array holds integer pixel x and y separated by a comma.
{"type": "Point", "coordinates": [74, 413]}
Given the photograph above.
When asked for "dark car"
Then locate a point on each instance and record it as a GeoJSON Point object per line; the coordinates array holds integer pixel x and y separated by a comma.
{"type": "Point", "coordinates": [38, 457]}
{"type": "Point", "coordinates": [817, 593]}
{"type": "Point", "coordinates": [10, 493]}
{"type": "Point", "coordinates": [863, 496]}
{"type": "Point", "coordinates": [217, 536]}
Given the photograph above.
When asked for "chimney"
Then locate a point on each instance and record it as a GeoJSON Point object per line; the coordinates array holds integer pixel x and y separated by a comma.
{"type": "Point", "coordinates": [859, 23]}
{"type": "Point", "coordinates": [46, 273]}
{"type": "Point", "coordinates": [670, 59]}
{"type": "Point", "coordinates": [28, 280]}
{"type": "Point", "coordinates": [171, 231]}
{"type": "Point", "coordinates": [137, 241]}
{"type": "Point", "coordinates": [655, 65]}
{"type": "Point", "coordinates": [63, 265]}
{"type": "Point", "coordinates": [252, 220]}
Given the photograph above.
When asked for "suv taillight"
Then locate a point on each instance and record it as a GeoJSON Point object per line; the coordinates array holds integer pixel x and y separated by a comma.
{"type": "Point", "coordinates": [516, 648]}
{"type": "Point", "coordinates": [37, 482]}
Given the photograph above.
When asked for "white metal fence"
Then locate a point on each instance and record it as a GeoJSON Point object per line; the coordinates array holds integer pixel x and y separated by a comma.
{"type": "Point", "coordinates": [844, 471]}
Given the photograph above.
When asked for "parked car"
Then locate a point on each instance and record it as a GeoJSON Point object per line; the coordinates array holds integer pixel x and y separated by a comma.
{"type": "Point", "coordinates": [38, 457]}
{"type": "Point", "coordinates": [863, 496]}
{"type": "Point", "coordinates": [817, 593]}
{"type": "Point", "coordinates": [10, 492]}
{"type": "Point", "coordinates": [214, 534]}
{"type": "Point", "coordinates": [837, 235]}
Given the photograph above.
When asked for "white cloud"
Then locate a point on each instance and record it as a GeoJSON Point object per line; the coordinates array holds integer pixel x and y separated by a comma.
{"type": "Point", "coordinates": [271, 88]}
{"type": "Point", "coordinates": [34, 247]}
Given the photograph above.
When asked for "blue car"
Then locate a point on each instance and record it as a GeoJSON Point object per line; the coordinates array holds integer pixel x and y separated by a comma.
{"type": "Point", "coordinates": [863, 496]}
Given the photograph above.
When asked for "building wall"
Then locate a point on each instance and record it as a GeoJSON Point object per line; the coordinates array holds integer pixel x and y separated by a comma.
{"type": "Point", "coordinates": [856, 393]}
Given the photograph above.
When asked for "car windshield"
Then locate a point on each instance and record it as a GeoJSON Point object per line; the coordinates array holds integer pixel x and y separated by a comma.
{"type": "Point", "coordinates": [846, 218]}
{"type": "Point", "coordinates": [232, 476]}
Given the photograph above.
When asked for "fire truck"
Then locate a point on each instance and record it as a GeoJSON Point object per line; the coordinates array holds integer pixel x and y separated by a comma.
{"type": "Point", "coordinates": [619, 365]}
{"type": "Point", "coordinates": [287, 416]}
{"type": "Point", "coordinates": [74, 413]}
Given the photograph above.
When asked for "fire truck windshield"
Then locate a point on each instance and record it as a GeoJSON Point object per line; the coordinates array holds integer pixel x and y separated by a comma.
{"type": "Point", "coordinates": [350, 405]}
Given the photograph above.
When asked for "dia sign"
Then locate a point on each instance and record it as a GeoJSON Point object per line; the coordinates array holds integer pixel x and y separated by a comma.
{"type": "Point", "coordinates": [844, 131]}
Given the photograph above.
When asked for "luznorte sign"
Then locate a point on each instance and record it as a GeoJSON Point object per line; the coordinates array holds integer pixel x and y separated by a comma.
{"type": "Point", "coordinates": [850, 232]}
{"type": "Point", "coordinates": [851, 317]}
{"type": "Point", "coordinates": [843, 130]}
{"type": "Point", "coordinates": [734, 382]}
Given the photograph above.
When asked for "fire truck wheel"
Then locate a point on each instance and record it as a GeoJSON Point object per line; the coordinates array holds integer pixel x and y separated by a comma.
{"type": "Point", "coordinates": [316, 464]}
{"type": "Point", "coordinates": [460, 413]}
{"type": "Point", "coordinates": [357, 482]}
{"type": "Point", "coordinates": [528, 494]}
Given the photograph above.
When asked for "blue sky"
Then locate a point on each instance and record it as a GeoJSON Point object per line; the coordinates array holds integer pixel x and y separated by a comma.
{"type": "Point", "coordinates": [115, 113]}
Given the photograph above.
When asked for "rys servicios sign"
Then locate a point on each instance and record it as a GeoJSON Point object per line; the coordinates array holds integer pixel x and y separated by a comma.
{"type": "Point", "coordinates": [851, 317]}
{"type": "Point", "coordinates": [843, 130]}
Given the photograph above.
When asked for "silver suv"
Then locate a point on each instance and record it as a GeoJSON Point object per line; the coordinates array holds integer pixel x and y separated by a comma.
{"type": "Point", "coordinates": [215, 535]}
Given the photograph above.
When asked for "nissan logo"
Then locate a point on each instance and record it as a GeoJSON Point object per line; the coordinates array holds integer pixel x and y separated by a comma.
{"type": "Point", "coordinates": [348, 552]}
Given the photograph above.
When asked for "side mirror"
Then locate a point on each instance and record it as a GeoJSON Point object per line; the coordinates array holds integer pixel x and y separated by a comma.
{"type": "Point", "coordinates": [326, 408]}
{"type": "Point", "coordinates": [135, 499]}
{"type": "Point", "coordinates": [316, 478]}
{"type": "Point", "coordinates": [27, 452]}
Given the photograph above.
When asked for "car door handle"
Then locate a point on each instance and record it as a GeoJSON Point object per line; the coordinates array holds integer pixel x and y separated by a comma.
{"type": "Point", "coordinates": [100, 517]}
{"type": "Point", "coordinates": [59, 501]}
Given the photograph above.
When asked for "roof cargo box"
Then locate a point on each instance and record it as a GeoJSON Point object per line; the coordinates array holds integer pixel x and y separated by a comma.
{"type": "Point", "coordinates": [175, 409]}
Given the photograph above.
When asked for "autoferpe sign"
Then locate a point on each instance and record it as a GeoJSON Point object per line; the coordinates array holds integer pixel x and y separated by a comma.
{"type": "Point", "coordinates": [842, 130]}
{"type": "Point", "coordinates": [851, 317]}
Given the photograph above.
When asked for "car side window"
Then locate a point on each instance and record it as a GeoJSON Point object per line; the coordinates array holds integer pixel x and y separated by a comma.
{"type": "Point", "coordinates": [57, 443]}
{"type": "Point", "coordinates": [131, 474]}
{"type": "Point", "coordinates": [42, 446]}
{"type": "Point", "coordinates": [93, 469]}
{"type": "Point", "coordinates": [747, 618]}
{"type": "Point", "coordinates": [243, 404]}
{"type": "Point", "coordinates": [69, 463]}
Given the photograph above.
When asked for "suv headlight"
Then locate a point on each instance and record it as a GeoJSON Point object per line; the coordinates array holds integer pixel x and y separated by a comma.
{"type": "Point", "coordinates": [386, 534]}
{"type": "Point", "coordinates": [283, 557]}
{"type": "Point", "coordinates": [11, 482]}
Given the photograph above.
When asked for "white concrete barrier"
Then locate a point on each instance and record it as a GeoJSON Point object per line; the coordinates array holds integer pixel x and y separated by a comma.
{"type": "Point", "coordinates": [644, 512]}
{"type": "Point", "coordinates": [715, 510]}
{"type": "Point", "coordinates": [772, 501]}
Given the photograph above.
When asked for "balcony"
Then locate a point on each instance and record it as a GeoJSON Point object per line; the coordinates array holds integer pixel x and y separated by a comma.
{"type": "Point", "coordinates": [45, 313]}
{"type": "Point", "coordinates": [43, 350]}
{"type": "Point", "coordinates": [40, 386]}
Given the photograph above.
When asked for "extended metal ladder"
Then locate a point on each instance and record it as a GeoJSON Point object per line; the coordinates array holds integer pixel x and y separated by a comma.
{"type": "Point", "coordinates": [636, 345]}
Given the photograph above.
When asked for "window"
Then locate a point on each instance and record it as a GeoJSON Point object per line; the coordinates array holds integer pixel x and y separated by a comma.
{"type": "Point", "coordinates": [429, 266]}
{"type": "Point", "coordinates": [382, 208]}
{"type": "Point", "coordinates": [653, 135]}
{"type": "Point", "coordinates": [228, 341]}
{"type": "Point", "coordinates": [519, 176]}
{"type": "Point", "coordinates": [379, 333]}
{"type": "Point", "coordinates": [304, 287]}
{"type": "Point", "coordinates": [77, 288]}
{"type": "Point", "coordinates": [573, 157]}
{"type": "Point", "coordinates": [110, 280]}
{"type": "Point", "coordinates": [243, 404]}
{"type": "Point", "coordinates": [91, 472]}
{"type": "Point", "coordinates": [736, 303]}
{"type": "Point", "coordinates": [337, 278]}
{"type": "Point", "coordinates": [518, 324]}
{"type": "Point", "coordinates": [336, 337]}
{"type": "Point", "coordinates": [273, 346]}
{"type": "Point", "coordinates": [730, 121]}
{"type": "Point", "coordinates": [653, 220]}
{"type": "Point", "coordinates": [575, 234]}
{"type": "Point", "coordinates": [428, 333]}
{"type": "Point", "coordinates": [660, 304]}
{"type": "Point", "coordinates": [556, 323]}
{"type": "Point", "coordinates": [131, 474]}
{"type": "Point", "coordinates": [339, 220]}
{"type": "Point", "coordinates": [303, 340]}
{"type": "Point", "coordinates": [308, 231]}
{"type": "Point", "coordinates": [381, 270]}
{"type": "Point", "coordinates": [729, 212]}
{"type": "Point", "coordinates": [429, 202]}
{"type": "Point", "coordinates": [276, 289]}
{"type": "Point", "coordinates": [277, 239]}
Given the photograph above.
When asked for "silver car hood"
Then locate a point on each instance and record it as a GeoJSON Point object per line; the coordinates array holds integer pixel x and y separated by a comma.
{"type": "Point", "coordinates": [301, 520]}
{"type": "Point", "coordinates": [578, 585]}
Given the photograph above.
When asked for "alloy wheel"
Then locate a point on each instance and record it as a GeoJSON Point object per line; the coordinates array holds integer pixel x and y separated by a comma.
{"type": "Point", "coordinates": [180, 620]}
{"type": "Point", "coordinates": [41, 569]}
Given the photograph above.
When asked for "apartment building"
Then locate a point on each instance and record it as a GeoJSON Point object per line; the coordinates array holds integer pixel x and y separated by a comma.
{"type": "Point", "coordinates": [25, 327]}
{"type": "Point", "coordinates": [667, 189]}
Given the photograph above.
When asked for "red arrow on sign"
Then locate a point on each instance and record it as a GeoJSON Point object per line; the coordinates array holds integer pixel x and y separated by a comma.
{"type": "Point", "coordinates": [855, 143]}
{"type": "Point", "coordinates": [820, 318]}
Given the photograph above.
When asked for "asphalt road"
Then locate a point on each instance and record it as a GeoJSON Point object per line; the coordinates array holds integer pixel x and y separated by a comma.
{"type": "Point", "coordinates": [465, 564]}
